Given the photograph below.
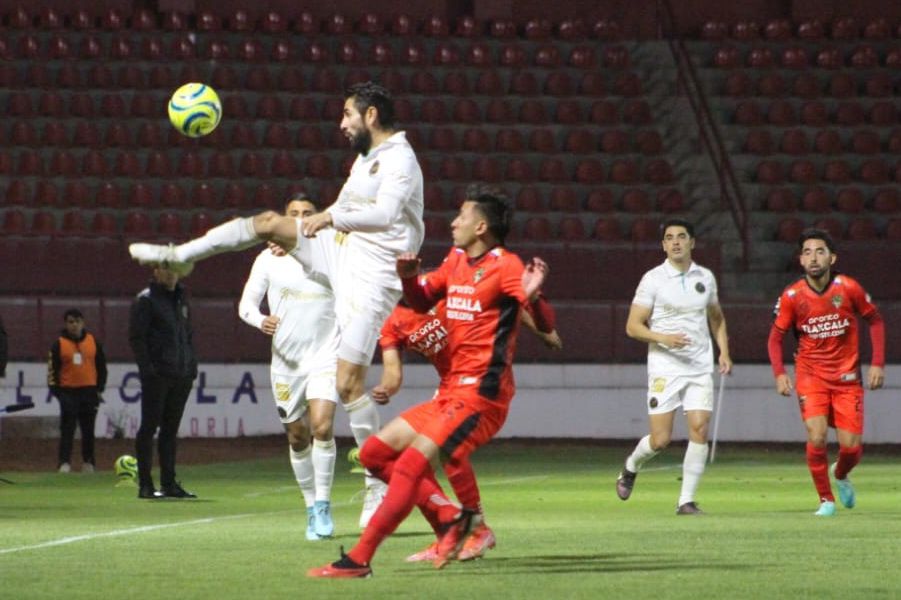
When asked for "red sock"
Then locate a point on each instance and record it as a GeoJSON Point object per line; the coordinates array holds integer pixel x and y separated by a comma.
{"type": "Point", "coordinates": [378, 457]}
{"type": "Point", "coordinates": [848, 457]}
{"type": "Point", "coordinates": [463, 479]}
{"type": "Point", "coordinates": [818, 463]}
{"type": "Point", "coordinates": [399, 501]}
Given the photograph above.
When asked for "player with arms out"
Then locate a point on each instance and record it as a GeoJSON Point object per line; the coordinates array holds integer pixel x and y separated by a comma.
{"type": "Point", "coordinates": [354, 243]}
{"type": "Point", "coordinates": [822, 309]}
{"type": "Point", "coordinates": [674, 311]}
{"type": "Point", "coordinates": [484, 287]}
{"type": "Point", "coordinates": [426, 334]}
{"type": "Point", "coordinates": [304, 346]}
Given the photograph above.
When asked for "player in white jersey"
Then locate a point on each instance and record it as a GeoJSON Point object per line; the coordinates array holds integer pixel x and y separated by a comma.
{"type": "Point", "coordinates": [354, 243]}
{"type": "Point", "coordinates": [304, 332]}
{"type": "Point", "coordinates": [674, 311]}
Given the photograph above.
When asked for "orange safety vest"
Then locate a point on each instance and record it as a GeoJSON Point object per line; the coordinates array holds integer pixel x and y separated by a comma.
{"type": "Point", "coordinates": [73, 375]}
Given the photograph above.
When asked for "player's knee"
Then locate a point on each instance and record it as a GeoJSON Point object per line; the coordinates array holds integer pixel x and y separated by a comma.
{"type": "Point", "coordinates": [816, 439]}
{"type": "Point", "coordinates": [660, 441]}
{"type": "Point", "coordinates": [264, 223]}
{"type": "Point", "coordinates": [323, 430]}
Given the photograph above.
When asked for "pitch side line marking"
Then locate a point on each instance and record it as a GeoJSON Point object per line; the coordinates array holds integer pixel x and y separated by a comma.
{"type": "Point", "coordinates": [119, 532]}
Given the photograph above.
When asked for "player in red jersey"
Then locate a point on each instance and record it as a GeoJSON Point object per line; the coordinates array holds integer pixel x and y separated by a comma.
{"type": "Point", "coordinates": [484, 286]}
{"type": "Point", "coordinates": [426, 334]}
{"type": "Point", "coordinates": [822, 308]}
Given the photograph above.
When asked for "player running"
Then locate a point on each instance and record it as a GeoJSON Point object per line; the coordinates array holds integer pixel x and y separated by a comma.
{"type": "Point", "coordinates": [484, 287]}
{"type": "Point", "coordinates": [821, 308]}
{"type": "Point", "coordinates": [354, 244]}
{"type": "Point", "coordinates": [302, 373]}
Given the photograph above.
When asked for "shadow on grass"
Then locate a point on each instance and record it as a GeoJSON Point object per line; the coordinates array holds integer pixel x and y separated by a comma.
{"type": "Point", "coordinates": [584, 563]}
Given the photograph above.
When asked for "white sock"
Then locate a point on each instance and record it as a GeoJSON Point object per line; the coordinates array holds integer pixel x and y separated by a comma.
{"type": "Point", "coordinates": [642, 454]}
{"type": "Point", "coordinates": [302, 464]}
{"type": "Point", "coordinates": [324, 454]}
{"type": "Point", "coordinates": [364, 421]}
{"type": "Point", "coordinates": [231, 236]}
{"type": "Point", "coordinates": [692, 469]}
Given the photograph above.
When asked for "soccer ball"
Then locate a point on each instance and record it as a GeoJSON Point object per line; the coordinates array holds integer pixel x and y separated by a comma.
{"type": "Point", "coordinates": [127, 467]}
{"type": "Point", "coordinates": [353, 457]}
{"type": "Point", "coordinates": [195, 110]}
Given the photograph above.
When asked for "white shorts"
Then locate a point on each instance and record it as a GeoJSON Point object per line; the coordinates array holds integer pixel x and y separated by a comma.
{"type": "Point", "coordinates": [691, 392]}
{"type": "Point", "coordinates": [361, 305]}
{"type": "Point", "coordinates": [292, 393]}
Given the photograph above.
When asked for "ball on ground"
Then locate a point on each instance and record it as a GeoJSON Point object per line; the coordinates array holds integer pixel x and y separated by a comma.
{"type": "Point", "coordinates": [126, 467]}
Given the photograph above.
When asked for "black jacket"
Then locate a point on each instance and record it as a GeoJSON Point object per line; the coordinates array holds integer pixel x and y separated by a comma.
{"type": "Point", "coordinates": [160, 333]}
{"type": "Point", "coordinates": [3, 350]}
{"type": "Point", "coordinates": [55, 361]}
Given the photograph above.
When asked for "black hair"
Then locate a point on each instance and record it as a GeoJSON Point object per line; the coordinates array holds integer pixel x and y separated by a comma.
{"type": "Point", "coordinates": [812, 233]}
{"type": "Point", "coordinates": [74, 313]}
{"type": "Point", "coordinates": [676, 222]}
{"type": "Point", "coordinates": [301, 196]}
{"type": "Point", "coordinates": [372, 94]}
{"type": "Point", "coordinates": [494, 206]}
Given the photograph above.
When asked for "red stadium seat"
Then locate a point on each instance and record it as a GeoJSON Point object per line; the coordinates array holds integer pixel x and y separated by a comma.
{"type": "Point", "coordinates": [777, 29]}
{"type": "Point", "coordinates": [23, 133]}
{"type": "Point", "coordinates": [659, 172]}
{"type": "Point", "coordinates": [559, 84]}
{"type": "Point", "coordinates": [850, 200]}
{"type": "Point", "coordinates": [738, 85]}
{"type": "Point", "coordinates": [794, 141]}
{"type": "Point", "coordinates": [770, 172]}
{"type": "Point", "coordinates": [46, 194]}
{"type": "Point", "coordinates": [533, 112]}
{"type": "Point", "coordinates": [812, 30]}
{"type": "Point", "coordinates": [589, 171]}
{"type": "Point", "coordinates": [499, 111]}
{"type": "Point", "coordinates": [542, 140]}
{"type": "Point", "coordinates": [62, 164]}
{"type": "Point", "coordinates": [772, 85]}
{"type": "Point", "coordinates": [837, 172]}
{"type": "Point", "coordinates": [887, 201]}
{"type": "Point", "coordinates": [670, 200]}
{"type": "Point", "coordinates": [761, 58]}
{"type": "Point", "coordinates": [552, 170]}
{"type": "Point", "coordinates": [564, 199]}
{"type": "Point", "coordinates": [476, 140]}
{"type": "Point", "coordinates": [624, 172]}
{"type": "Point", "coordinates": [807, 86]}
{"type": "Point", "coordinates": [572, 229]}
{"type": "Point", "coordinates": [865, 142]}
{"type": "Point", "coordinates": [489, 83]}
{"type": "Point", "coordinates": [714, 31]}
{"type": "Point", "coordinates": [864, 57]}
{"type": "Point", "coordinates": [512, 56]}
{"type": "Point", "coordinates": [883, 113]}
{"type": "Point", "coordinates": [104, 225]}
{"type": "Point", "coordinates": [583, 57]}
{"type": "Point", "coordinates": [832, 226]}
{"type": "Point", "coordinates": [547, 56]}
{"type": "Point", "coordinates": [874, 172]}
{"type": "Point", "coordinates": [456, 84]}
{"type": "Point", "coordinates": [849, 114]}
{"type": "Point", "coordinates": [828, 141]}
{"type": "Point", "coordinates": [43, 223]}
{"type": "Point", "coordinates": [519, 170]}
{"type": "Point", "coordinates": [803, 171]}
{"type": "Point", "coordinates": [878, 85]}
{"type": "Point", "coordinates": [77, 193]}
{"type": "Point", "coordinates": [644, 230]}
{"type": "Point", "coordinates": [606, 29]}
{"type": "Point", "coordinates": [627, 84]}
{"type": "Point", "coordinates": [607, 229]}
{"type": "Point", "coordinates": [318, 166]}
{"type": "Point", "coordinates": [169, 225]}
{"type": "Point", "coordinates": [259, 79]}
{"type": "Point", "coordinates": [580, 141]}
{"type": "Point", "coordinates": [748, 113]}
{"type": "Point", "coordinates": [604, 113]}
{"type": "Point", "coordinates": [759, 141]}
{"type": "Point", "coordinates": [14, 222]}
{"type": "Point", "coordinates": [536, 229]}
{"type": "Point", "coordinates": [635, 200]}
{"type": "Point", "coordinates": [726, 57]}
{"type": "Point", "coordinates": [568, 112]}
{"type": "Point", "coordinates": [273, 22]}
{"type": "Point", "coordinates": [447, 55]}
{"type": "Point", "coordinates": [524, 83]}
{"type": "Point", "coordinates": [781, 200]}
{"type": "Point", "coordinates": [530, 200]}
{"type": "Point", "coordinates": [781, 113]}
{"type": "Point", "coordinates": [467, 111]}
{"type": "Point", "coordinates": [893, 230]}
{"type": "Point", "coordinates": [138, 224]}
{"type": "Point", "coordinates": [108, 195]}
{"type": "Point", "coordinates": [509, 140]}
{"type": "Point", "coordinates": [18, 191]}
{"type": "Point", "coordinates": [789, 230]}
{"type": "Point", "coordinates": [816, 200]}
{"type": "Point", "coordinates": [29, 164]}
{"type": "Point", "coordinates": [413, 54]}
{"type": "Point", "coordinates": [814, 114]}
{"type": "Point", "coordinates": [486, 169]}
{"type": "Point", "coordinates": [600, 200]}
{"type": "Point", "coordinates": [862, 229]}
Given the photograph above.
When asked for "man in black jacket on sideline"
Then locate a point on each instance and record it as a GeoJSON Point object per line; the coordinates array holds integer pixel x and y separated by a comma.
{"type": "Point", "coordinates": [160, 334]}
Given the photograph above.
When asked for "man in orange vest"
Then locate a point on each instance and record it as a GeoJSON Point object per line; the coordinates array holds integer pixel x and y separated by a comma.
{"type": "Point", "coordinates": [76, 374]}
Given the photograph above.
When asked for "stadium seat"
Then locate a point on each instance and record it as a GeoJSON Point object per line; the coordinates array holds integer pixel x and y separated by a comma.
{"type": "Point", "coordinates": [864, 57]}
{"type": "Point", "coordinates": [781, 113]}
{"type": "Point", "coordinates": [46, 195]}
{"type": "Point", "coordinates": [104, 225]}
{"type": "Point", "coordinates": [542, 140]}
{"type": "Point", "coordinates": [524, 83]}
{"type": "Point", "coordinates": [559, 84]}
{"type": "Point", "coordinates": [738, 84]}
{"type": "Point", "coordinates": [413, 54]}
{"type": "Point", "coordinates": [270, 108]}
{"type": "Point", "coordinates": [883, 114]}
{"type": "Point", "coordinates": [772, 85]}
{"type": "Point", "coordinates": [533, 112]}
{"type": "Point", "coordinates": [887, 201]}
{"type": "Point", "coordinates": [509, 140]}
{"type": "Point", "coordinates": [811, 30]}
{"type": "Point", "coordinates": [23, 133]}
{"type": "Point", "coordinates": [43, 223]}
{"type": "Point", "coordinates": [54, 134]}
{"type": "Point", "coordinates": [829, 58]}
{"type": "Point", "coordinates": [781, 200]}
{"type": "Point", "coordinates": [530, 200]}
{"type": "Point", "coordinates": [761, 58]}
{"type": "Point", "coordinates": [832, 226]}
{"type": "Point", "coordinates": [865, 142]}
{"type": "Point", "coordinates": [828, 141]}
{"type": "Point", "coordinates": [600, 200]}
{"type": "Point", "coordinates": [759, 141]}
{"type": "Point", "coordinates": [453, 168]}
{"type": "Point", "coordinates": [108, 195]}
{"type": "Point", "coordinates": [628, 84]}
{"type": "Point", "coordinates": [589, 171]}
{"type": "Point", "coordinates": [644, 230]}
{"type": "Point", "coordinates": [607, 229]}
{"type": "Point", "coordinates": [770, 172]}
{"type": "Point", "coordinates": [29, 164]}
{"type": "Point", "coordinates": [572, 229]}
{"type": "Point", "coordinates": [499, 111]}
{"type": "Point", "coordinates": [777, 29]}
{"type": "Point", "coordinates": [318, 166]}
{"type": "Point", "coordinates": [536, 229]}
{"type": "Point", "coordinates": [580, 141]}
{"type": "Point", "coordinates": [748, 113]}
{"type": "Point", "coordinates": [200, 223]}
{"type": "Point", "coordinates": [456, 84]}
{"type": "Point", "coordinates": [476, 140]}
{"type": "Point", "coordinates": [447, 55]}
{"type": "Point", "coordinates": [466, 111]}
{"type": "Point", "coordinates": [568, 112]}
{"type": "Point", "coordinates": [635, 200]}
{"type": "Point", "coordinates": [512, 56]}
{"type": "Point", "coordinates": [670, 200]}
{"type": "Point", "coordinates": [489, 83]}
{"type": "Point", "coordinates": [433, 110]}
{"type": "Point", "coordinates": [233, 196]}
{"type": "Point", "coordinates": [803, 171]}
{"type": "Point", "coordinates": [138, 224]}
{"type": "Point", "coordinates": [260, 79]}
{"type": "Point", "coordinates": [794, 141]}
{"type": "Point", "coordinates": [273, 22]}
{"type": "Point", "coordinates": [62, 164]}
{"type": "Point", "coordinates": [789, 230]}
{"type": "Point", "coordinates": [624, 172]}
{"type": "Point", "coordinates": [564, 199]}
{"type": "Point", "coordinates": [604, 113]}
{"type": "Point", "coordinates": [893, 230]}
{"type": "Point", "coordinates": [487, 169]}
{"type": "Point", "coordinates": [169, 225]}
{"type": "Point", "coordinates": [806, 86]}
{"type": "Point", "coordinates": [837, 172]}
{"type": "Point", "coordinates": [141, 196]}
{"type": "Point", "coordinates": [552, 170]}
{"type": "Point", "coordinates": [76, 193]}
{"type": "Point", "coordinates": [850, 200]}
{"type": "Point", "coordinates": [519, 170]}
{"type": "Point", "coordinates": [14, 222]}
{"type": "Point", "coordinates": [849, 114]}
{"type": "Point", "coordinates": [874, 172]}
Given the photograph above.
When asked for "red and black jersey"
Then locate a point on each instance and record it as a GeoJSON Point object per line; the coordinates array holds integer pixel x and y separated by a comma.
{"type": "Point", "coordinates": [483, 297]}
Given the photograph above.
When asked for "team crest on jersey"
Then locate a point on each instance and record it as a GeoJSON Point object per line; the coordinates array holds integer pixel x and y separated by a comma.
{"type": "Point", "coordinates": [658, 385]}
{"type": "Point", "coordinates": [653, 402]}
{"type": "Point", "coordinates": [836, 301]}
{"type": "Point", "coordinates": [282, 392]}
{"type": "Point", "coordinates": [699, 287]}
{"type": "Point", "coordinates": [374, 168]}
{"type": "Point", "coordinates": [477, 276]}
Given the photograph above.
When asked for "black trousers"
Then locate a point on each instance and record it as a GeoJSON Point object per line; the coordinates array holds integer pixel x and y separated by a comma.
{"type": "Point", "coordinates": [163, 402]}
{"type": "Point", "coordinates": [77, 407]}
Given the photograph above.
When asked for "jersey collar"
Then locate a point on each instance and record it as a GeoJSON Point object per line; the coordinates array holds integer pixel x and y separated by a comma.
{"type": "Point", "coordinates": [672, 271]}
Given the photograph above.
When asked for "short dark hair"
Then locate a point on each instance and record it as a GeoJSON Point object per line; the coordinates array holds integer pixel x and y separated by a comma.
{"type": "Point", "coordinates": [301, 196]}
{"type": "Point", "coordinates": [74, 313]}
{"type": "Point", "coordinates": [812, 233]}
{"type": "Point", "coordinates": [368, 94]}
{"type": "Point", "coordinates": [494, 206]}
{"type": "Point", "coordinates": [675, 222]}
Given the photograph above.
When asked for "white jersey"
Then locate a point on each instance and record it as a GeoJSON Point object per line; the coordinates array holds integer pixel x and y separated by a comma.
{"type": "Point", "coordinates": [678, 303]}
{"type": "Point", "coordinates": [306, 340]}
{"type": "Point", "coordinates": [381, 203]}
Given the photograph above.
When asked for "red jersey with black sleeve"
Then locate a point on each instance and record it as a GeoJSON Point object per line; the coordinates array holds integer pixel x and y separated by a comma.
{"type": "Point", "coordinates": [483, 297]}
{"type": "Point", "coordinates": [424, 333]}
{"type": "Point", "coordinates": [825, 324]}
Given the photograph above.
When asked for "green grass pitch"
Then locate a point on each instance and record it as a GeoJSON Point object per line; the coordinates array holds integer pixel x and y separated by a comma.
{"type": "Point", "coordinates": [562, 533]}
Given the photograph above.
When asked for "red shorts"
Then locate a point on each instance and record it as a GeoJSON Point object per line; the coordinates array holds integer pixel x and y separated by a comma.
{"type": "Point", "coordinates": [457, 420]}
{"type": "Point", "coordinates": [843, 407]}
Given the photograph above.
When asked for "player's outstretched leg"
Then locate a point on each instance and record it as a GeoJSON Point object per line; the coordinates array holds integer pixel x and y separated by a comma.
{"type": "Point", "coordinates": [625, 481]}
{"type": "Point", "coordinates": [452, 539]}
{"type": "Point", "coordinates": [642, 453]}
{"type": "Point", "coordinates": [845, 489]}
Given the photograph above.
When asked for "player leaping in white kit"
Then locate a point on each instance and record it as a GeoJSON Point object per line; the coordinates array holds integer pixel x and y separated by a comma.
{"type": "Point", "coordinates": [354, 243]}
{"type": "Point", "coordinates": [304, 332]}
